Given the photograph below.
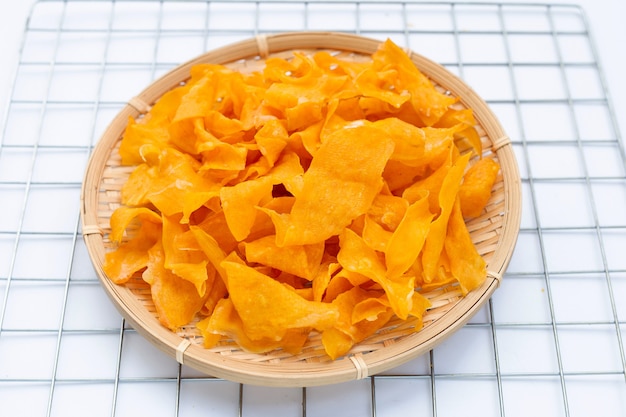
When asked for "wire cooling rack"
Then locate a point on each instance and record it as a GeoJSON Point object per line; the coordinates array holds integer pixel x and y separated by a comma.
{"type": "Point", "coordinates": [549, 343]}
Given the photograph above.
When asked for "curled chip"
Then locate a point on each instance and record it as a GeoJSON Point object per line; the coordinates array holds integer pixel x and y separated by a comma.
{"type": "Point", "coordinates": [475, 191]}
{"type": "Point", "coordinates": [316, 197]}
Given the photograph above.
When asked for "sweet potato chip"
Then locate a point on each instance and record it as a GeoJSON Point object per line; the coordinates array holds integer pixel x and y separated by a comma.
{"type": "Point", "coordinates": [225, 321]}
{"type": "Point", "coordinates": [428, 103]}
{"type": "Point", "coordinates": [340, 184]}
{"type": "Point", "coordinates": [176, 300]}
{"type": "Point", "coordinates": [375, 235]}
{"type": "Point", "coordinates": [173, 186]}
{"type": "Point", "coordinates": [438, 229]}
{"type": "Point", "coordinates": [122, 218]}
{"type": "Point", "coordinates": [420, 305]}
{"type": "Point", "coordinates": [300, 260]}
{"type": "Point", "coordinates": [369, 309]}
{"type": "Point", "coordinates": [466, 264]}
{"type": "Point", "coordinates": [407, 240]}
{"type": "Point", "coordinates": [350, 328]}
{"type": "Point", "coordinates": [151, 129]}
{"type": "Point", "coordinates": [239, 203]}
{"type": "Point", "coordinates": [322, 278]}
{"type": "Point", "coordinates": [476, 188]}
{"type": "Point", "coordinates": [356, 256]}
{"type": "Point", "coordinates": [272, 138]}
{"type": "Point", "coordinates": [268, 309]}
{"type": "Point", "coordinates": [132, 256]}
{"type": "Point", "coordinates": [188, 263]}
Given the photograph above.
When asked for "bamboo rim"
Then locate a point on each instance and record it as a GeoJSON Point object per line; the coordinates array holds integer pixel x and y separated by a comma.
{"type": "Point", "coordinates": [494, 233]}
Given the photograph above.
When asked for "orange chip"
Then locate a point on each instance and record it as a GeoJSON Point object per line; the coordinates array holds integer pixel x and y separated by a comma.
{"type": "Point", "coordinates": [152, 129]}
{"type": "Point", "coordinates": [272, 139]}
{"type": "Point", "coordinates": [300, 260]}
{"type": "Point", "coordinates": [428, 103]}
{"type": "Point", "coordinates": [431, 185]}
{"type": "Point", "coordinates": [322, 278]}
{"type": "Point", "coordinates": [225, 321]}
{"type": "Point", "coordinates": [370, 316]}
{"type": "Point", "coordinates": [336, 343]}
{"type": "Point", "coordinates": [420, 305]}
{"type": "Point", "coordinates": [380, 85]}
{"type": "Point", "coordinates": [211, 248]}
{"type": "Point", "coordinates": [437, 233]}
{"type": "Point", "coordinates": [375, 235]}
{"type": "Point", "coordinates": [124, 216]}
{"type": "Point", "coordinates": [132, 256]}
{"type": "Point", "coordinates": [173, 186]}
{"type": "Point", "coordinates": [188, 263]}
{"type": "Point", "coordinates": [409, 140]}
{"type": "Point", "coordinates": [341, 282]}
{"type": "Point", "coordinates": [407, 240]}
{"type": "Point", "coordinates": [340, 185]}
{"type": "Point", "coordinates": [215, 224]}
{"type": "Point", "coordinates": [217, 154]}
{"type": "Point", "coordinates": [239, 203]}
{"type": "Point", "coordinates": [476, 188]}
{"type": "Point", "coordinates": [466, 264]}
{"type": "Point", "coordinates": [356, 256]}
{"type": "Point", "coordinates": [176, 300]}
{"type": "Point", "coordinates": [268, 309]}
{"type": "Point", "coordinates": [369, 309]}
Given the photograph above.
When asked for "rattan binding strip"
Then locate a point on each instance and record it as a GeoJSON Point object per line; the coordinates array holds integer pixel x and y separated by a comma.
{"type": "Point", "coordinates": [180, 350]}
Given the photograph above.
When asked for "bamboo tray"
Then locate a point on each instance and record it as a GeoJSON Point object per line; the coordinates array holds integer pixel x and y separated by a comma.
{"type": "Point", "coordinates": [494, 234]}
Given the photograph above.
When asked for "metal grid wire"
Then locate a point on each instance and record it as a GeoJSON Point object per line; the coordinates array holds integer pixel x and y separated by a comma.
{"type": "Point", "coordinates": [549, 343]}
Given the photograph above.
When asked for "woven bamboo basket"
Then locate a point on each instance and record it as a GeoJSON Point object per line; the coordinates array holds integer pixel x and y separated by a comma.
{"type": "Point", "coordinates": [494, 233]}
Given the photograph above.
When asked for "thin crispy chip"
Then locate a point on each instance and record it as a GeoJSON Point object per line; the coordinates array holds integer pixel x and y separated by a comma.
{"type": "Point", "coordinates": [272, 138]}
{"type": "Point", "coordinates": [375, 235]}
{"type": "Point", "coordinates": [268, 309]}
{"type": "Point", "coordinates": [369, 309]}
{"type": "Point", "coordinates": [122, 218]}
{"type": "Point", "coordinates": [323, 277]}
{"type": "Point", "coordinates": [152, 129]}
{"type": "Point", "coordinates": [438, 229]}
{"type": "Point", "coordinates": [132, 256]}
{"type": "Point", "coordinates": [300, 260]}
{"type": "Point", "coordinates": [239, 203]}
{"type": "Point", "coordinates": [176, 300]}
{"type": "Point", "coordinates": [315, 195]}
{"type": "Point", "coordinates": [356, 256]}
{"type": "Point", "coordinates": [336, 343]}
{"type": "Point", "coordinates": [340, 185]}
{"type": "Point", "coordinates": [420, 305]}
{"type": "Point", "coordinates": [466, 264]}
{"type": "Point", "coordinates": [476, 188]}
{"type": "Point", "coordinates": [407, 240]}
{"type": "Point", "coordinates": [428, 103]}
{"type": "Point", "coordinates": [172, 186]}
{"type": "Point", "coordinates": [188, 263]}
{"type": "Point", "coordinates": [225, 321]}
{"type": "Point", "coordinates": [334, 340]}
{"type": "Point", "coordinates": [409, 140]}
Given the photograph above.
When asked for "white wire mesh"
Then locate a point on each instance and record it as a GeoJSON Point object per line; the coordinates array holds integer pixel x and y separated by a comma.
{"type": "Point", "coordinates": [549, 343]}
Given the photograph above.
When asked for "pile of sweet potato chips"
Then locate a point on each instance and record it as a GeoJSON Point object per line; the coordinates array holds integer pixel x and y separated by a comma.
{"type": "Point", "coordinates": [319, 195]}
